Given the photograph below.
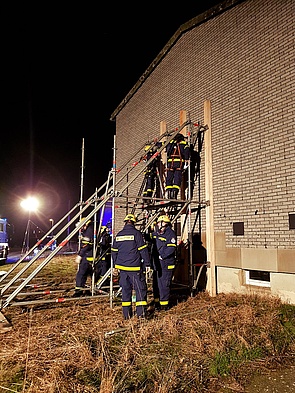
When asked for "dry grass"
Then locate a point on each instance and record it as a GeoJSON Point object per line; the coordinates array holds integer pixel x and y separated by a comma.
{"type": "Point", "coordinates": [199, 345]}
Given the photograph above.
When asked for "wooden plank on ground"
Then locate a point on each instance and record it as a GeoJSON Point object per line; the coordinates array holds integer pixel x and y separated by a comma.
{"type": "Point", "coordinates": [4, 324]}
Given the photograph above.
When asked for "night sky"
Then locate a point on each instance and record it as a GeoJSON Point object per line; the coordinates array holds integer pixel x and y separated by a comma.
{"type": "Point", "coordinates": [64, 70]}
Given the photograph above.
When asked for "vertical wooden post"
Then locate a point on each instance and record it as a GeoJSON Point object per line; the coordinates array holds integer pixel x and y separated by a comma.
{"type": "Point", "coordinates": [183, 117]}
{"type": "Point", "coordinates": [210, 242]}
{"type": "Point", "coordinates": [184, 219]}
{"type": "Point", "coordinates": [163, 129]}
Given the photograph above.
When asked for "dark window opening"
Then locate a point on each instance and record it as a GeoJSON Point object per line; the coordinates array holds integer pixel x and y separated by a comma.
{"type": "Point", "coordinates": [291, 220]}
{"type": "Point", "coordinates": [258, 275]}
{"type": "Point", "coordinates": [238, 228]}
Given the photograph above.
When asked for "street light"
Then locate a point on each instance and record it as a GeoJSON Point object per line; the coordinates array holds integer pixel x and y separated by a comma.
{"type": "Point", "coordinates": [53, 245]}
{"type": "Point", "coordinates": [29, 204]}
{"type": "Point", "coordinates": [52, 223]}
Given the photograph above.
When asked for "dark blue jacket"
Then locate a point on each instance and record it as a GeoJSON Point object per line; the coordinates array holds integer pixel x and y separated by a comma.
{"type": "Point", "coordinates": [129, 250]}
{"type": "Point", "coordinates": [166, 244]}
{"type": "Point", "coordinates": [177, 151]}
{"type": "Point", "coordinates": [87, 242]}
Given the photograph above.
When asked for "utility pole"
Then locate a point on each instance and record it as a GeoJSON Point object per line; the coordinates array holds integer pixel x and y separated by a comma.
{"type": "Point", "coordinates": [81, 186]}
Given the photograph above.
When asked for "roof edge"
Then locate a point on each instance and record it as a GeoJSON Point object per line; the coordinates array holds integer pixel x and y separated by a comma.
{"type": "Point", "coordinates": [198, 20]}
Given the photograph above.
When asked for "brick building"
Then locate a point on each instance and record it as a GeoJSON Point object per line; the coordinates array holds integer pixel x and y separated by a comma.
{"type": "Point", "coordinates": [239, 56]}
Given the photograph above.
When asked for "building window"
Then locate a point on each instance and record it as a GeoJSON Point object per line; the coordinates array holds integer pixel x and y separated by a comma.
{"type": "Point", "coordinates": [291, 220]}
{"type": "Point", "coordinates": [258, 278]}
{"type": "Point", "coordinates": [238, 228]}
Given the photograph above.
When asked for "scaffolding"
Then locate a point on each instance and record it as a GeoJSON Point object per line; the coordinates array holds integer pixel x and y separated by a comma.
{"type": "Point", "coordinates": [147, 209]}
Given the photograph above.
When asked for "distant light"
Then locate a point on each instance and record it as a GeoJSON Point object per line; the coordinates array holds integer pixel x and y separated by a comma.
{"type": "Point", "coordinates": [30, 204]}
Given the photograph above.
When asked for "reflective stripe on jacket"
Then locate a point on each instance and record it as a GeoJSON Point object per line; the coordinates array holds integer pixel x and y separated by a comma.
{"type": "Point", "coordinates": [177, 151]}
{"type": "Point", "coordinates": [129, 250]}
{"type": "Point", "coordinates": [166, 245]}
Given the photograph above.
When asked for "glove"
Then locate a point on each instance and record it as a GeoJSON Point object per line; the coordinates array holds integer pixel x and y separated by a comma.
{"type": "Point", "coordinates": [78, 259]}
{"type": "Point", "coordinates": [160, 258]}
{"type": "Point", "coordinates": [185, 166]}
{"type": "Point", "coordinates": [147, 270]}
{"type": "Point", "coordinates": [153, 226]}
{"type": "Point", "coordinates": [115, 272]}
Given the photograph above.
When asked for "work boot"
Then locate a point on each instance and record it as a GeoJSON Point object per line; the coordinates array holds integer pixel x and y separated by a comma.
{"type": "Point", "coordinates": [78, 293]}
{"type": "Point", "coordinates": [174, 194]}
{"type": "Point", "coordinates": [147, 314]}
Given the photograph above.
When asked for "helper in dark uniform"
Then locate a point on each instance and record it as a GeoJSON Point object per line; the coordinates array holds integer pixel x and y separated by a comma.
{"type": "Point", "coordinates": [85, 259]}
{"type": "Point", "coordinates": [164, 261]}
{"type": "Point", "coordinates": [131, 257]}
{"type": "Point", "coordinates": [178, 153]}
{"type": "Point", "coordinates": [104, 262]}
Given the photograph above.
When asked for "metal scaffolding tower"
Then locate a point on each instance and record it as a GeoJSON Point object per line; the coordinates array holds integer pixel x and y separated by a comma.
{"type": "Point", "coordinates": [116, 189]}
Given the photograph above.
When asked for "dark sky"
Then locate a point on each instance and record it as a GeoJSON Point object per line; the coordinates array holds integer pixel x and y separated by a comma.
{"type": "Point", "coordinates": [64, 70]}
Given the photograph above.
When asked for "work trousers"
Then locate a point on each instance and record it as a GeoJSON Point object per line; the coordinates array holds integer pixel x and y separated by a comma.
{"type": "Point", "coordinates": [128, 282]}
{"type": "Point", "coordinates": [150, 178]}
{"type": "Point", "coordinates": [174, 176]}
{"type": "Point", "coordinates": [84, 270]}
{"type": "Point", "coordinates": [101, 268]}
{"type": "Point", "coordinates": [162, 280]}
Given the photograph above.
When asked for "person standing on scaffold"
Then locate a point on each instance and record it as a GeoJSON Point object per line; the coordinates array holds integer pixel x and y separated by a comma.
{"type": "Point", "coordinates": [178, 154]}
{"type": "Point", "coordinates": [151, 169]}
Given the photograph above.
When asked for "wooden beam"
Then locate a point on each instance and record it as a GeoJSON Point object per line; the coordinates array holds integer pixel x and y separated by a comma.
{"type": "Point", "coordinates": [183, 117]}
{"type": "Point", "coordinates": [163, 129]}
{"type": "Point", "coordinates": [210, 242]}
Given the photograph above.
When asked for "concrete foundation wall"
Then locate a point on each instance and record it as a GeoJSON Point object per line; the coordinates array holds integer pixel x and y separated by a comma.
{"type": "Point", "coordinates": [230, 280]}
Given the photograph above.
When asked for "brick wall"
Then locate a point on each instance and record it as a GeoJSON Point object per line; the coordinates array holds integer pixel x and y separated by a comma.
{"type": "Point", "coordinates": [243, 62]}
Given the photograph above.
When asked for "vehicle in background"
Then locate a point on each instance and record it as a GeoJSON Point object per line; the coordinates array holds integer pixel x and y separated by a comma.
{"type": "Point", "coordinates": [44, 243]}
{"type": "Point", "coordinates": [4, 238]}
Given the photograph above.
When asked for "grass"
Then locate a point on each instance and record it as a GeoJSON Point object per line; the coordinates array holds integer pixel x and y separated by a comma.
{"type": "Point", "coordinates": [199, 345]}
